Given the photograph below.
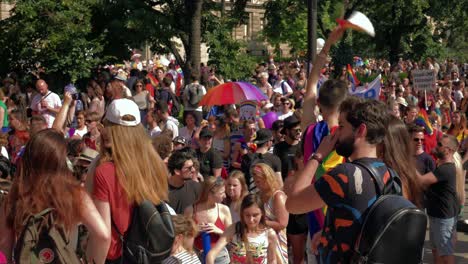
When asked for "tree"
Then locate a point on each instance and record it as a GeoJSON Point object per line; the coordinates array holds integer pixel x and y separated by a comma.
{"type": "Point", "coordinates": [51, 35]}
{"type": "Point", "coordinates": [223, 48]}
{"type": "Point", "coordinates": [167, 25]}
{"type": "Point", "coordinates": [404, 28]}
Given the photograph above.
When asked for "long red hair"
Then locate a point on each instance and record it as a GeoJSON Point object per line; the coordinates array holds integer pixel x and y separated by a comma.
{"type": "Point", "coordinates": [43, 180]}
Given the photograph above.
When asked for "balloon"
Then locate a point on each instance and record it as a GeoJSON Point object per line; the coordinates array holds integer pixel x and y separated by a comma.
{"type": "Point", "coordinates": [358, 21]}
{"type": "Point", "coordinates": [269, 118]}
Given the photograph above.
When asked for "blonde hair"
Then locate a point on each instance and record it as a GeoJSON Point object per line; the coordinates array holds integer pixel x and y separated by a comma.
{"type": "Point", "coordinates": [184, 225]}
{"type": "Point", "coordinates": [265, 171]}
{"type": "Point", "coordinates": [142, 178]}
{"type": "Point", "coordinates": [209, 185]}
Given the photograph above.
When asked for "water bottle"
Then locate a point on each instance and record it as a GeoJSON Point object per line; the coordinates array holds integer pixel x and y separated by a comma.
{"type": "Point", "coordinates": [206, 238]}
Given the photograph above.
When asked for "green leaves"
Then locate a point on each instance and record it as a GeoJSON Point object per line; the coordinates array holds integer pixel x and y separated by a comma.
{"type": "Point", "coordinates": [53, 34]}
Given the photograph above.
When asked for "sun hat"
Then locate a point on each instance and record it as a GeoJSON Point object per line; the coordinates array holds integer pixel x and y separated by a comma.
{"type": "Point", "coordinates": [121, 75]}
{"type": "Point", "coordinates": [121, 107]}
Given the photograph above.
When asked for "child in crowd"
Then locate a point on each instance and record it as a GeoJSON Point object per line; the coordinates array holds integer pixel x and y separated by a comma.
{"type": "Point", "coordinates": [182, 249]}
{"type": "Point", "coordinates": [249, 240]}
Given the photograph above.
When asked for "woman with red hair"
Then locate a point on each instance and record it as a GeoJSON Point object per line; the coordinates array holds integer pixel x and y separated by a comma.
{"type": "Point", "coordinates": [44, 180]}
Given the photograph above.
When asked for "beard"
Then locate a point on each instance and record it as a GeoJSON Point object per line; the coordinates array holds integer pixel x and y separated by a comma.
{"type": "Point", "coordinates": [345, 147]}
{"type": "Point", "coordinates": [439, 154]}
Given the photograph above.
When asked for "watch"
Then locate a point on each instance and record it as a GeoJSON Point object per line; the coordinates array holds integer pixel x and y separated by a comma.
{"type": "Point", "coordinates": [316, 157]}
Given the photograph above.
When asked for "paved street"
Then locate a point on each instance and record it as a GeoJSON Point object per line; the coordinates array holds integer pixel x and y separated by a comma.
{"type": "Point", "coordinates": [461, 246]}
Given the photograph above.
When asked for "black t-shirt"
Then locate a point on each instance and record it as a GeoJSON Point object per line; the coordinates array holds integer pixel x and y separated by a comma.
{"type": "Point", "coordinates": [425, 163]}
{"type": "Point", "coordinates": [441, 196]}
{"type": "Point", "coordinates": [348, 190]}
{"type": "Point", "coordinates": [184, 196]}
{"type": "Point", "coordinates": [210, 160]}
{"type": "Point", "coordinates": [285, 153]}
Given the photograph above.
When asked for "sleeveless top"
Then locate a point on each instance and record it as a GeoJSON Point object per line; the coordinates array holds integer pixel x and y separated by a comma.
{"type": "Point", "coordinates": [282, 249]}
{"type": "Point", "coordinates": [198, 243]}
{"type": "Point", "coordinates": [257, 247]}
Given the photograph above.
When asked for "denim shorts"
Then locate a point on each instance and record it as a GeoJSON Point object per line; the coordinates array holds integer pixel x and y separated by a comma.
{"type": "Point", "coordinates": [442, 234]}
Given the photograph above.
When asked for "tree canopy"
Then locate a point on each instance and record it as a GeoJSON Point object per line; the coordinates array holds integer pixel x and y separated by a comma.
{"type": "Point", "coordinates": [404, 28]}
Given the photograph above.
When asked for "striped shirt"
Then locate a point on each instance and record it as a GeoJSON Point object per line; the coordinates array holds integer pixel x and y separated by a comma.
{"type": "Point", "coordinates": [184, 257]}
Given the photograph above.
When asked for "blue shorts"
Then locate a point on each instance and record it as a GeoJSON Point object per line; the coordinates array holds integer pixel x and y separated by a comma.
{"type": "Point", "coordinates": [442, 234]}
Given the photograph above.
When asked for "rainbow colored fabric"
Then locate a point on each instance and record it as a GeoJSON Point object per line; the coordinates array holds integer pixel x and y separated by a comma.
{"type": "Point", "coordinates": [312, 139]}
{"type": "Point", "coordinates": [352, 77]}
{"type": "Point", "coordinates": [423, 120]}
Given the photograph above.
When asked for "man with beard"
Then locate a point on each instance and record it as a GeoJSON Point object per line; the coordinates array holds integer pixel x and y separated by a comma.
{"type": "Point", "coordinates": [286, 151]}
{"type": "Point", "coordinates": [347, 190]}
{"type": "Point", "coordinates": [183, 191]}
{"type": "Point", "coordinates": [442, 202]}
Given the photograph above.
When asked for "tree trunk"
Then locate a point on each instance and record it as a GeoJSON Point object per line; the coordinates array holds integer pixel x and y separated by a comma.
{"type": "Point", "coordinates": [194, 57]}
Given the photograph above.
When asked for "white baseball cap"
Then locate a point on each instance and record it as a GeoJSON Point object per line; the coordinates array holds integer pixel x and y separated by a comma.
{"type": "Point", "coordinates": [121, 107]}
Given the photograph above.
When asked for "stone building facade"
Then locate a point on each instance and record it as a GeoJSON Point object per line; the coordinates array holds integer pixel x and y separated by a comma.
{"type": "Point", "coordinates": [251, 31]}
{"type": "Point", "coordinates": [5, 8]}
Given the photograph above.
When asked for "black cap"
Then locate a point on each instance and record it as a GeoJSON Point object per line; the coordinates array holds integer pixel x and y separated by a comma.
{"type": "Point", "coordinates": [263, 135]}
{"type": "Point", "coordinates": [290, 122]}
{"type": "Point", "coordinates": [277, 125]}
{"type": "Point", "coordinates": [206, 133]}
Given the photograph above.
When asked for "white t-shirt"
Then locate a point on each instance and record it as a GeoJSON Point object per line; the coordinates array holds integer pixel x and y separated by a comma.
{"type": "Point", "coordinates": [282, 116]}
{"type": "Point", "coordinates": [278, 87]}
{"type": "Point", "coordinates": [52, 99]}
{"type": "Point", "coordinates": [171, 125]}
{"type": "Point", "coordinates": [81, 132]}
{"type": "Point", "coordinates": [154, 132]}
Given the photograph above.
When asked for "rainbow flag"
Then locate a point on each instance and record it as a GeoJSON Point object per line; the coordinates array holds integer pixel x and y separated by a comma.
{"type": "Point", "coordinates": [423, 120]}
{"type": "Point", "coordinates": [312, 139]}
{"type": "Point", "coordinates": [352, 77]}
{"type": "Point", "coordinates": [154, 81]}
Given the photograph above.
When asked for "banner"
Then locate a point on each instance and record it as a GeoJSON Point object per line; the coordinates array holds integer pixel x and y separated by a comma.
{"type": "Point", "coordinates": [424, 79]}
{"type": "Point", "coordinates": [370, 90]}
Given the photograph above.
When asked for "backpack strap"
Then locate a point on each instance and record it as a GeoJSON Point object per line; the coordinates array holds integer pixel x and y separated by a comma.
{"type": "Point", "coordinates": [379, 184]}
{"type": "Point", "coordinates": [392, 187]}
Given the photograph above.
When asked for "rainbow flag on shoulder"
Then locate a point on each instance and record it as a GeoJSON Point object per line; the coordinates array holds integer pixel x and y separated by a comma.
{"type": "Point", "coordinates": [312, 138]}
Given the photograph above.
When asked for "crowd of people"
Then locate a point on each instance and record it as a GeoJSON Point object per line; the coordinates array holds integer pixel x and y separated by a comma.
{"type": "Point", "coordinates": [253, 185]}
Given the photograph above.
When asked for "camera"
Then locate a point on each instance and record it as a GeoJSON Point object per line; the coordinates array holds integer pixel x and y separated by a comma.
{"type": "Point", "coordinates": [75, 96]}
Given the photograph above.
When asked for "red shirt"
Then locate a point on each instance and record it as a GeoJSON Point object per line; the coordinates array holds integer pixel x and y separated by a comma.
{"type": "Point", "coordinates": [108, 189]}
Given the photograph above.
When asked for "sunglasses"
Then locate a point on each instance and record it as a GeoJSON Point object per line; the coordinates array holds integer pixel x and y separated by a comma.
{"type": "Point", "coordinates": [189, 168]}
{"type": "Point", "coordinates": [285, 103]}
{"type": "Point", "coordinates": [418, 139]}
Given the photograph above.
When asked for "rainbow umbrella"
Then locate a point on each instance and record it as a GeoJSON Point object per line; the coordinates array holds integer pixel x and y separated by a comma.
{"type": "Point", "coordinates": [232, 93]}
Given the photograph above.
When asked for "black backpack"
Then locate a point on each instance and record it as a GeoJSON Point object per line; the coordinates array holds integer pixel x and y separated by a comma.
{"type": "Point", "coordinates": [393, 229]}
{"type": "Point", "coordinates": [248, 161]}
{"type": "Point", "coordinates": [194, 95]}
{"type": "Point", "coordinates": [150, 235]}
{"type": "Point", "coordinates": [173, 102]}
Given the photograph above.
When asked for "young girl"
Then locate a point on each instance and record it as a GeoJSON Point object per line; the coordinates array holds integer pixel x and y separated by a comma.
{"type": "Point", "coordinates": [250, 232]}
{"type": "Point", "coordinates": [211, 216]}
{"type": "Point", "coordinates": [236, 190]}
{"type": "Point", "coordinates": [182, 249]}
